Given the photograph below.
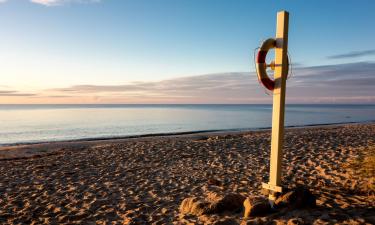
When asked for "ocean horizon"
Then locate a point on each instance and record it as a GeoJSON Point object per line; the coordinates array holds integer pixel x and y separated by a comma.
{"type": "Point", "coordinates": [23, 123]}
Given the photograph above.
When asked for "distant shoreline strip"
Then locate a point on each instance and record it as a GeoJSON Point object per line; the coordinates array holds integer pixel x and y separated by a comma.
{"type": "Point", "coordinates": [167, 134]}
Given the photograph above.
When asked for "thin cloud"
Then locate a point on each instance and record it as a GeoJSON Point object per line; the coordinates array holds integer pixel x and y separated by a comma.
{"type": "Point", "coordinates": [61, 2]}
{"type": "Point", "coordinates": [15, 93]}
{"type": "Point", "coordinates": [59, 96]}
{"type": "Point", "coordinates": [333, 73]}
{"type": "Point", "coordinates": [353, 54]}
{"type": "Point", "coordinates": [6, 92]}
{"type": "Point", "coordinates": [202, 83]}
{"type": "Point", "coordinates": [104, 88]}
{"type": "Point", "coordinates": [351, 82]}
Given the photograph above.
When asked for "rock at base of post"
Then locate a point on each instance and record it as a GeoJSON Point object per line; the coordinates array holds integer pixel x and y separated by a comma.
{"type": "Point", "coordinates": [256, 206]}
{"type": "Point", "coordinates": [297, 198]}
{"type": "Point", "coordinates": [212, 204]}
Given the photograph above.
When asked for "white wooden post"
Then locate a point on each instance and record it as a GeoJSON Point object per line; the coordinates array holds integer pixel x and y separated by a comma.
{"type": "Point", "coordinates": [281, 70]}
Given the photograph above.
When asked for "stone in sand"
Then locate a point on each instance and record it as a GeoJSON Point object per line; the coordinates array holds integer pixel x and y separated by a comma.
{"type": "Point", "coordinates": [229, 202]}
{"type": "Point", "coordinates": [215, 203]}
{"type": "Point", "coordinates": [298, 198]}
{"type": "Point", "coordinates": [194, 206]}
{"type": "Point", "coordinates": [256, 206]}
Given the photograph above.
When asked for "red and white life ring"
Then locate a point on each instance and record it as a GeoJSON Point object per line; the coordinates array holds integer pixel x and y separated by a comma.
{"type": "Point", "coordinates": [261, 65]}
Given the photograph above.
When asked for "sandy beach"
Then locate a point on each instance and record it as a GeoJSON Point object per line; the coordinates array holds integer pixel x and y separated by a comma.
{"type": "Point", "coordinates": [144, 180]}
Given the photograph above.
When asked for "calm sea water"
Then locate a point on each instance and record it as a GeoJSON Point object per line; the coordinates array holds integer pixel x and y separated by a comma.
{"type": "Point", "coordinates": [40, 123]}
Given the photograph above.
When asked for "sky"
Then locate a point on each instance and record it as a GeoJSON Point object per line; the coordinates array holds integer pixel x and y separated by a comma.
{"type": "Point", "coordinates": [181, 51]}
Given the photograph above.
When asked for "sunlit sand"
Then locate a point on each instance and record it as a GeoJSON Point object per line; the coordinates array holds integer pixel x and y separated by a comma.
{"type": "Point", "coordinates": [144, 180]}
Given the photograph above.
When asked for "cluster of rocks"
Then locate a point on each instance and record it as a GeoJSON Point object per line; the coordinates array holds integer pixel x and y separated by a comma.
{"type": "Point", "coordinates": [251, 206]}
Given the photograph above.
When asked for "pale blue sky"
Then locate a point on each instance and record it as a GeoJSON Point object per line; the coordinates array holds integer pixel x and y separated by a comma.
{"type": "Point", "coordinates": [60, 44]}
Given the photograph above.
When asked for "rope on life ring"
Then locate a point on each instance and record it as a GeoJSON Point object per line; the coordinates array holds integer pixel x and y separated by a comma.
{"type": "Point", "coordinates": [261, 65]}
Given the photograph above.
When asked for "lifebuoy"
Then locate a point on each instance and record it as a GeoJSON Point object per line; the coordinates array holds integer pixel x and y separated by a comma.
{"type": "Point", "coordinates": [261, 65]}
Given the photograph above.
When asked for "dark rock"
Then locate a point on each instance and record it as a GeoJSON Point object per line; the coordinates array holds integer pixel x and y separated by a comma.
{"type": "Point", "coordinates": [256, 206]}
{"type": "Point", "coordinates": [229, 202]}
{"type": "Point", "coordinates": [298, 198]}
{"type": "Point", "coordinates": [213, 204]}
{"type": "Point", "coordinates": [194, 206]}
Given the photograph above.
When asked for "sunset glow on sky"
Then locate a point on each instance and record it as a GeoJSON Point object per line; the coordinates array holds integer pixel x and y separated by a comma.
{"type": "Point", "coordinates": [193, 51]}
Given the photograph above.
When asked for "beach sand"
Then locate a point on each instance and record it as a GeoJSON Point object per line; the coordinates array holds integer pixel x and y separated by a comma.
{"type": "Point", "coordinates": [144, 180]}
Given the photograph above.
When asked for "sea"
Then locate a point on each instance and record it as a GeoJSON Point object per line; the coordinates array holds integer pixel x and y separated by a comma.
{"type": "Point", "coordinates": [20, 124]}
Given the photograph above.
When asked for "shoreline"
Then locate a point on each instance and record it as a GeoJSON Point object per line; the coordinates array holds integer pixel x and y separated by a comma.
{"type": "Point", "coordinates": [171, 134]}
{"type": "Point", "coordinates": [41, 149]}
